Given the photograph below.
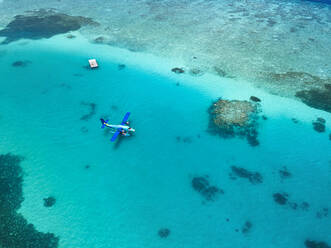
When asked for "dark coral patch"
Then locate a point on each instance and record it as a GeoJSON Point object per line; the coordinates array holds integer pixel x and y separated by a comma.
{"type": "Point", "coordinates": [319, 125]}
{"type": "Point", "coordinates": [295, 120]}
{"type": "Point", "coordinates": [324, 212]}
{"type": "Point", "coordinates": [284, 173]}
{"type": "Point", "coordinates": [317, 98]}
{"type": "Point", "coordinates": [42, 24]}
{"type": "Point", "coordinates": [21, 63]}
{"type": "Point", "coordinates": [49, 201]}
{"type": "Point", "coordinates": [121, 67]}
{"type": "Point", "coordinates": [246, 227]}
{"type": "Point", "coordinates": [92, 112]}
{"type": "Point", "coordinates": [280, 198]}
{"type": "Point", "coordinates": [71, 36]}
{"type": "Point", "coordinates": [15, 231]}
{"type": "Point", "coordinates": [202, 185]}
{"type": "Point", "coordinates": [283, 199]}
{"type": "Point", "coordinates": [304, 205]}
{"type": "Point", "coordinates": [164, 232]}
{"type": "Point", "coordinates": [253, 177]}
{"type": "Point", "coordinates": [196, 72]}
{"type": "Point", "coordinates": [316, 244]}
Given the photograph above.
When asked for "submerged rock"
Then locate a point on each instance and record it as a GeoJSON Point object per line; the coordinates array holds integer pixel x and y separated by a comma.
{"type": "Point", "coordinates": [230, 118]}
{"type": "Point", "coordinates": [15, 231]}
{"type": "Point", "coordinates": [201, 185]}
{"type": "Point", "coordinates": [255, 99]}
{"type": "Point", "coordinates": [316, 244]}
{"type": "Point", "coordinates": [253, 177]}
{"type": "Point", "coordinates": [177, 70]}
{"type": "Point", "coordinates": [42, 24]}
{"type": "Point", "coordinates": [164, 232]}
{"type": "Point", "coordinates": [49, 201]}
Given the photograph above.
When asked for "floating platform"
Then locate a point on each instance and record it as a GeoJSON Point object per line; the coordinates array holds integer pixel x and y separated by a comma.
{"type": "Point", "coordinates": [93, 63]}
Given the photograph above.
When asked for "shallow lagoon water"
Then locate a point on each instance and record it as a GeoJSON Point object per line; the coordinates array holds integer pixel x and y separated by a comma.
{"type": "Point", "coordinates": [143, 183]}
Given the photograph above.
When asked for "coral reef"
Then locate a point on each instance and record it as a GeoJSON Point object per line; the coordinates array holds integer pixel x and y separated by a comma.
{"type": "Point", "coordinates": [42, 24]}
{"type": "Point", "coordinates": [316, 244]}
{"type": "Point", "coordinates": [253, 177]}
{"type": "Point", "coordinates": [164, 232]}
{"type": "Point", "coordinates": [282, 199]}
{"type": "Point", "coordinates": [319, 125]}
{"type": "Point", "coordinates": [202, 185]}
{"type": "Point", "coordinates": [49, 201]}
{"type": "Point", "coordinates": [15, 231]}
{"type": "Point", "coordinates": [230, 118]}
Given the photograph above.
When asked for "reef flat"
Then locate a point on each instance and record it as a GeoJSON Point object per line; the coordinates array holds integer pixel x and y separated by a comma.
{"type": "Point", "coordinates": [253, 40]}
{"type": "Point", "coordinates": [15, 231]}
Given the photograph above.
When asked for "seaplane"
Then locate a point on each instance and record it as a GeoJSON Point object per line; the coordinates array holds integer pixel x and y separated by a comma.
{"type": "Point", "coordinates": [122, 129]}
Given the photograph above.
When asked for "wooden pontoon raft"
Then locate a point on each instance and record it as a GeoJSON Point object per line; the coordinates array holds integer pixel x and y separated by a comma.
{"type": "Point", "coordinates": [93, 63]}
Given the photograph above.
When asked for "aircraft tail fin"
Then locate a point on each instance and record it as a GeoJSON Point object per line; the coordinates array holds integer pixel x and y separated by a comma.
{"type": "Point", "coordinates": [103, 122]}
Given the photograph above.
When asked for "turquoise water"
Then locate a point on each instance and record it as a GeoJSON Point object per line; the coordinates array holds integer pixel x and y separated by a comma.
{"type": "Point", "coordinates": [143, 183]}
